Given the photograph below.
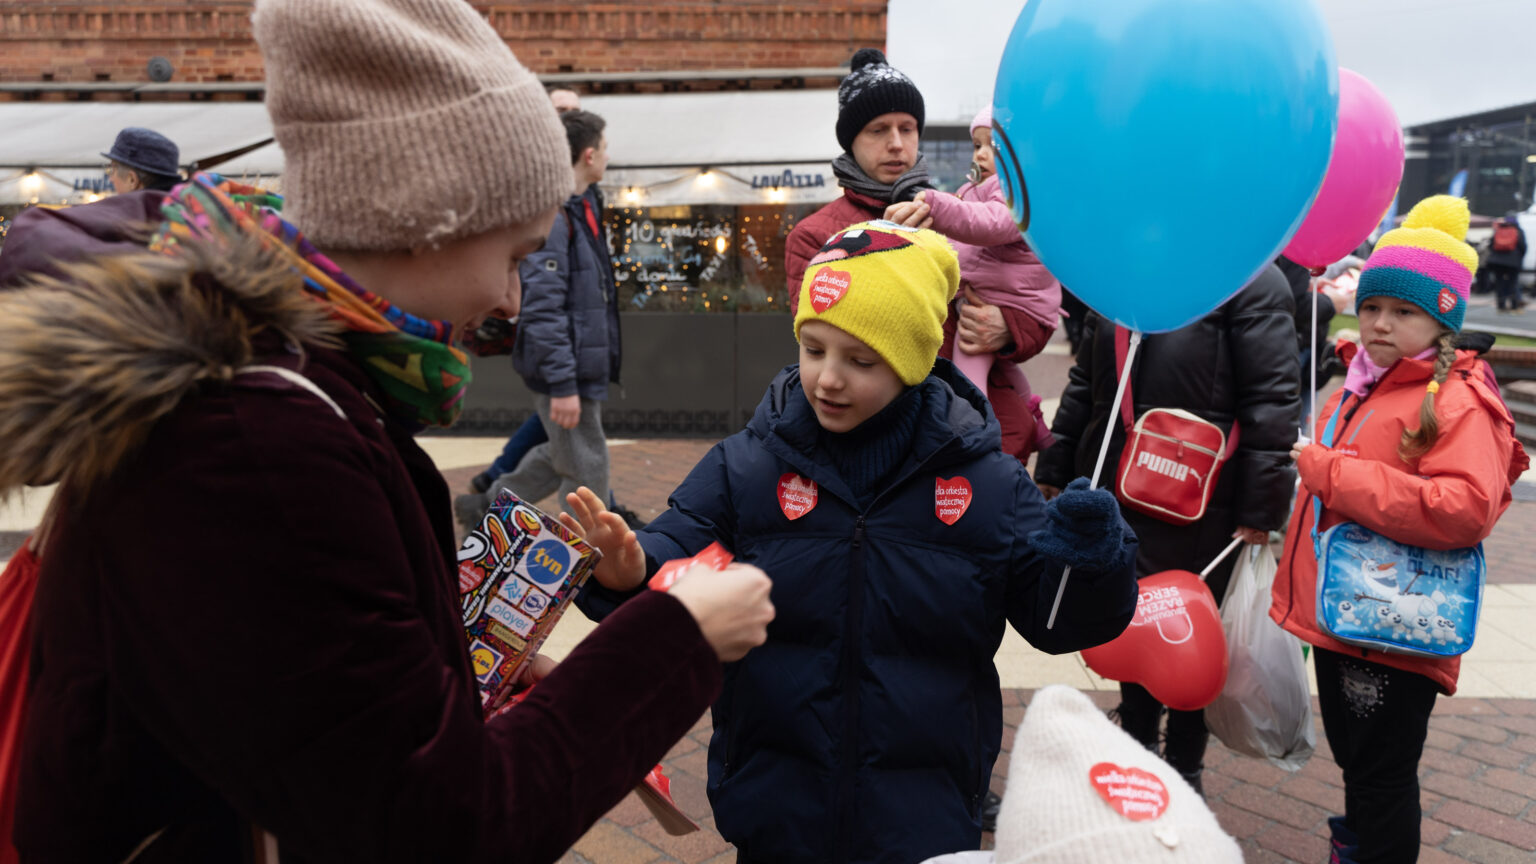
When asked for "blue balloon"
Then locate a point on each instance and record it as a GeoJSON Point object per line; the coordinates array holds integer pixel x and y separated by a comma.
{"type": "Point", "coordinates": [1159, 153]}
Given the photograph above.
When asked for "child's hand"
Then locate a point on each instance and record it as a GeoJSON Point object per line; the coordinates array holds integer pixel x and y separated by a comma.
{"type": "Point", "coordinates": [1083, 528]}
{"type": "Point", "coordinates": [912, 214]}
{"type": "Point", "coordinates": [565, 411]}
{"type": "Point", "coordinates": [1300, 445]}
{"type": "Point", "coordinates": [623, 564]}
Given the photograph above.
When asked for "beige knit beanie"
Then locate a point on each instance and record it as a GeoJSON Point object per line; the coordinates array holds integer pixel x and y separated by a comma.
{"type": "Point", "coordinates": [1080, 789]}
{"type": "Point", "coordinates": [405, 123]}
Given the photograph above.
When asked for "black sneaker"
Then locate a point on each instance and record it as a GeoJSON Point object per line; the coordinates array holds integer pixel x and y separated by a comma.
{"type": "Point", "coordinates": [989, 810]}
{"type": "Point", "coordinates": [629, 516]}
{"type": "Point", "coordinates": [481, 483]}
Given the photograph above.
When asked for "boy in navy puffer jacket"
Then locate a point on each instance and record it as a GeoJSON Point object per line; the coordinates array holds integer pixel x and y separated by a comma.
{"type": "Point", "coordinates": [870, 486]}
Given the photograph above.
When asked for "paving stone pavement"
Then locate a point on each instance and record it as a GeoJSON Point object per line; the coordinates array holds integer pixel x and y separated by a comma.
{"type": "Point", "coordinates": [1478, 772]}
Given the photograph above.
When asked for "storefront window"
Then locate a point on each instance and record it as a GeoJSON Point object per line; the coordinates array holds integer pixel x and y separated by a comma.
{"type": "Point", "coordinates": [949, 160]}
{"type": "Point", "coordinates": [702, 258]}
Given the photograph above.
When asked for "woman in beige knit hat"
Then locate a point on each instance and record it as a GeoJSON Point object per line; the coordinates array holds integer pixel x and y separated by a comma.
{"type": "Point", "coordinates": [246, 612]}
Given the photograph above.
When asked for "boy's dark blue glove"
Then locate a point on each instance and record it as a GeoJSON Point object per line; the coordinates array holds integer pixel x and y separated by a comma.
{"type": "Point", "coordinates": [1083, 529]}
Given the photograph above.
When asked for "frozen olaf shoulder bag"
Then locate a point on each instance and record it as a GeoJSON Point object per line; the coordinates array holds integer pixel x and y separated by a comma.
{"type": "Point", "coordinates": [1375, 592]}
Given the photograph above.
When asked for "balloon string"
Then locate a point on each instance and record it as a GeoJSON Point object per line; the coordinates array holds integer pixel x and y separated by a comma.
{"type": "Point", "coordinates": [1098, 467]}
{"type": "Point", "coordinates": [1236, 542]}
{"type": "Point", "coordinates": [1312, 394]}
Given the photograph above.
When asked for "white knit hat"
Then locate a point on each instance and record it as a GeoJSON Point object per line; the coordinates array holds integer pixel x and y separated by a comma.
{"type": "Point", "coordinates": [405, 123]}
{"type": "Point", "coordinates": [1074, 778]}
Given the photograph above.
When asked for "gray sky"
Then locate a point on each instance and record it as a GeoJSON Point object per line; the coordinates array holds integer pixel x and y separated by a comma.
{"type": "Point", "coordinates": [1432, 59]}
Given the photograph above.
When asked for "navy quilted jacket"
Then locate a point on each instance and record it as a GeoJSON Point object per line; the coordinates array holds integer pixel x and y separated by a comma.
{"type": "Point", "coordinates": [568, 331]}
{"type": "Point", "coordinates": [867, 726]}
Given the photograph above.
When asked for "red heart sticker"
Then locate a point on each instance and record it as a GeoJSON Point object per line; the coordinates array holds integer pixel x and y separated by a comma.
{"type": "Point", "coordinates": [1447, 300]}
{"type": "Point", "coordinates": [1135, 794]}
{"type": "Point", "coordinates": [951, 498]}
{"type": "Point", "coordinates": [797, 495]}
{"type": "Point", "coordinates": [827, 287]}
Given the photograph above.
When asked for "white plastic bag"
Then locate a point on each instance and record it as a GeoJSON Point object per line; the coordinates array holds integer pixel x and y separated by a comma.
{"type": "Point", "coordinates": [1265, 709]}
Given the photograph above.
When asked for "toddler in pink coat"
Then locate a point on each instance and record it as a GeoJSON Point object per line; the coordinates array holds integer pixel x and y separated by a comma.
{"type": "Point", "coordinates": [996, 265]}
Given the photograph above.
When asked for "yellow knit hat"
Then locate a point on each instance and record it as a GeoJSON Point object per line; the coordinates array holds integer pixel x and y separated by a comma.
{"type": "Point", "coordinates": [887, 286]}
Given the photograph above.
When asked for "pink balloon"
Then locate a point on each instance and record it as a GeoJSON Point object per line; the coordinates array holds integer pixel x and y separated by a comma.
{"type": "Point", "coordinates": [1174, 646]}
{"type": "Point", "coordinates": [1363, 175]}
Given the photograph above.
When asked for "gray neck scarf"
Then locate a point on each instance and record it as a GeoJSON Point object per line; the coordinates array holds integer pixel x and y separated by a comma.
{"type": "Point", "coordinates": [906, 187]}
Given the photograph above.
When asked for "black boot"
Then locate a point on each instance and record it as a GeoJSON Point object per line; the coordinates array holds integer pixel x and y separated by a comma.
{"type": "Point", "coordinates": [1139, 715]}
{"type": "Point", "coordinates": [1193, 779]}
{"type": "Point", "coordinates": [1184, 747]}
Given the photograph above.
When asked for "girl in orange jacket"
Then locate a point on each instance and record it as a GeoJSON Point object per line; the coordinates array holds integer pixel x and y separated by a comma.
{"type": "Point", "coordinates": [1423, 452]}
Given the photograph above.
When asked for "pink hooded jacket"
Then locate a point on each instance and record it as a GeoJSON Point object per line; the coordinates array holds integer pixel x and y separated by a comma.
{"type": "Point", "coordinates": [994, 259]}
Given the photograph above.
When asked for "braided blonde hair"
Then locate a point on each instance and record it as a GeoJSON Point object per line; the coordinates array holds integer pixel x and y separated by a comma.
{"type": "Point", "coordinates": [1416, 442]}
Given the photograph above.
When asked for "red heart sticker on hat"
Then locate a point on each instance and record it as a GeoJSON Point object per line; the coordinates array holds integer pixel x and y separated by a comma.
{"type": "Point", "coordinates": [1448, 300]}
{"type": "Point", "coordinates": [827, 287]}
{"type": "Point", "coordinates": [1135, 794]}
{"type": "Point", "coordinates": [951, 498]}
{"type": "Point", "coordinates": [797, 495]}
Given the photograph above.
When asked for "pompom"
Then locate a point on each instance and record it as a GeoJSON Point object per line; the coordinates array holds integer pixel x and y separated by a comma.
{"type": "Point", "coordinates": [1443, 213]}
{"type": "Point", "coordinates": [867, 57]}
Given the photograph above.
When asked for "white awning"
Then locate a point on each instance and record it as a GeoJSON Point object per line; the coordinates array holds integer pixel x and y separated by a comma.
{"type": "Point", "coordinates": [652, 139]}
{"type": "Point", "coordinates": [63, 141]}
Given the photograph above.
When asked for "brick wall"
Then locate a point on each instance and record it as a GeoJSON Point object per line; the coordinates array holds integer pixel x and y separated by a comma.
{"type": "Point", "coordinates": [70, 41]}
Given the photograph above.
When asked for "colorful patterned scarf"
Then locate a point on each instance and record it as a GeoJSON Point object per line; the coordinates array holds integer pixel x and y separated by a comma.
{"type": "Point", "coordinates": [412, 359]}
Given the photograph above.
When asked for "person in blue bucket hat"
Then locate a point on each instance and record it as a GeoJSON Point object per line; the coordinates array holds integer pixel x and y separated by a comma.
{"type": "Point", "coordinates": [143, 159]}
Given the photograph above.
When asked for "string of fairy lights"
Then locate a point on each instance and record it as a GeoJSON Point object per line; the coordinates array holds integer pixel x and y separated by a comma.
{"type": "Point", "coordinates": [689, 264]}
{"type": "Point", "coordinates": [30, 181]}
{"type": "Point", "coordinates": [705, 176]}
{"type": "Point", "coordinates": [685, 267]}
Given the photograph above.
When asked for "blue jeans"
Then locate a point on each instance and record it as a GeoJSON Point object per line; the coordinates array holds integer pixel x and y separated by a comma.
{"type": "Point", "coordinates": [528, 436]}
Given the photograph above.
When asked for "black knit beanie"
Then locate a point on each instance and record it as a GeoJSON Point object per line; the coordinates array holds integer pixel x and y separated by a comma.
{"type": "Point", "coordinates": [873, 88]}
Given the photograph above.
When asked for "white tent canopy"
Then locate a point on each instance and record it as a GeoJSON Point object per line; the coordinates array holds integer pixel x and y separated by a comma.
{"type": "Point", "coordinates": [651, 138]}
{"type": "Point", "coordinates": [63, 141]}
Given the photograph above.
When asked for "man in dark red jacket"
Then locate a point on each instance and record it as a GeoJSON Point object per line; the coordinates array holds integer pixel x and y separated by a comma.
{"type": "Point", "coordinates": [879, 124]}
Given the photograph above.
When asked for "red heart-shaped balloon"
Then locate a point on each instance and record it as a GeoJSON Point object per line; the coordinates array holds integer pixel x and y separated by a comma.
{"type": "Point", "coordinates": [1174, 646]}
{"type": "Point", "coordinates": [951, 498]}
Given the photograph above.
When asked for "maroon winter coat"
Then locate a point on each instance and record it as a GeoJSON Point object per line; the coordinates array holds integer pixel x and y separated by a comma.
{"type": "Point", "coordinates": [43, 239]}
{"type": "Point", "coordinates": [252, 615]}
{"type": "Point", "coordinates": [812, 232]}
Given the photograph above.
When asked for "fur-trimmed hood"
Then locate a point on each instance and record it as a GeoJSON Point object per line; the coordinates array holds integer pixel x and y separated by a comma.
{"type": "Point", "coordinates": [91, 359]}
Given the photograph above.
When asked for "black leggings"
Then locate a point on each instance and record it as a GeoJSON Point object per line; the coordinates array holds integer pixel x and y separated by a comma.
{"type": "Point", "coordinates": [1184, 746]}
{"type": "Point", "coordinates": [1376, 719]}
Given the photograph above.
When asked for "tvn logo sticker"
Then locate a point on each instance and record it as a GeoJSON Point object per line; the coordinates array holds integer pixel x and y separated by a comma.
{"type": "Point", "coordinates": [507, 615]}
{"type": "Point", "coordinates": [546, 563]}
{"type": "Point", "coordinates": [1166, 467]}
